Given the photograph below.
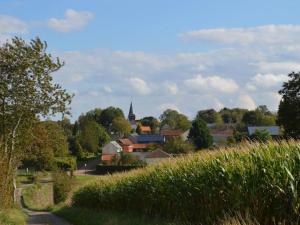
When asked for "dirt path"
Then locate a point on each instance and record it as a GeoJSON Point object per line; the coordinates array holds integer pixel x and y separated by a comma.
{"type": "Point", "coordinates": [39, 218]}
{"type": "Point", "coordinates": [44, 218]}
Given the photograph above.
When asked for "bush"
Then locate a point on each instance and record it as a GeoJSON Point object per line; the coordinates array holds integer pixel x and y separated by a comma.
{"type": "Point", "coordinates": [178, 146]}
{"type": "Point", "coordinates": [67, 163]}
{"type": "Point", "coordinates": [261, 180]}
{"type": "Point", "coordinates": [62, 183]}
{"type": "Point", "coordinates": [124, 159]}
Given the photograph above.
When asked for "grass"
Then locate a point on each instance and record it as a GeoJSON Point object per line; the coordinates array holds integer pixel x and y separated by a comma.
{"type": "Point", "coordinates": [38, 196]}
{"type": "Point", "coordinates": [12, 217]}
{"type": "Point", "coordinates": [261, 180]}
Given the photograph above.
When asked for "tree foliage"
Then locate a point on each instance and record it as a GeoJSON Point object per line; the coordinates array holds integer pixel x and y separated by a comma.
{"type": "Point", "coordinates": [200, 135]}
{"type": "Point", "coordinates": [178, 146]}
{"type": "Point", "coordinates": [92, 136]}
{"type": "Point", "coordinates": [121, 127]}
{"type": "Point", "coordinates": [175, 120]}
{"type": "Point", "coordinates": [261, 136]}
{"type": "Point", "coordinates": [108, 115]}
{"type": "Point", "coordinates": [210, 116]}
{"type": "Point", "coordinates": [261, 116]}
{"type": "Point", "coordinates": [289, 107]}
{"type": "Point", "coordinates": [27, 91]}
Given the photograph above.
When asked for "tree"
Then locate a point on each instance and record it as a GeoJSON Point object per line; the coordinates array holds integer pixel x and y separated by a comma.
{"type": "Point", "coordinates": [92, 135]}
{"type": "Point", "coordinates": [210, 116]}
{"type": "Point", "coordinates": [120, 126]}
{"type": "Point", "coordinates": [138, 129]}
{"type": "Point", "coordinates": [232, 115]}
{"type": "Point", "coordinates": [108, 115]}
{"type": "Point", "coordinates": [175, 120]}
{"type": "Point", "coordinates": [200, 135]}
{"type": "Point", "coordinates": [124, 159]}
{"type": "Point", "coordinates": [289, 106]}
{"type": "Point", "coordinates": [261, 116]}
{"type": "Point", "coordinates": [150, 121]}
{"type": "Point", "coordinates": [261, 136]}
{"type": "Point", "coordinates": [27, 92]}
{"type": "Point", "coordinates": [39, 152]}
{"type": "Point", "coordinates": [178, 146]}
{"type": "Point", "coordinates": [56, 138]}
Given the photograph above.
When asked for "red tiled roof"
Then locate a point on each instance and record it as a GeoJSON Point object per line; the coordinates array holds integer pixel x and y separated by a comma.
{"type": "Point", "coordinates": [145, 129]}
{"type": "Point", "coordinates": [171, 132]}
{"type": "Point", "coordinates": [139, 146]}
{"type": "Point", "coordinates": [125, 141]}
{"type": "Point", "coordinates": [107, 157]}
{"type": "Point", "coordinates": [158, 154]}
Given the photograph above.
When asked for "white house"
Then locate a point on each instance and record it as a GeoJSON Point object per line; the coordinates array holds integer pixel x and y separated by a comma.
{"type": "Point", "coordinates": [110, 150]}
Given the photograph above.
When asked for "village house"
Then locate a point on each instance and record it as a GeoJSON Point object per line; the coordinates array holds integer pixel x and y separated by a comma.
{"type": "Point", "coordinates": [110, 150]}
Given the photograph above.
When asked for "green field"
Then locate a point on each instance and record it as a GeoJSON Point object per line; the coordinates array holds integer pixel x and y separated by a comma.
{"type": "Point", "coordinates": [257, 181]}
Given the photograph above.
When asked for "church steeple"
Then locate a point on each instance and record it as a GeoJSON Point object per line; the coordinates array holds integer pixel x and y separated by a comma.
{"type": "Point", "coordinates": [131, 116]}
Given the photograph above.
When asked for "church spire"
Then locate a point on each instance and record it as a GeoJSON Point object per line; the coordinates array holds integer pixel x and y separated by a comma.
{"type": "Point", "coordinates": [131, 116]}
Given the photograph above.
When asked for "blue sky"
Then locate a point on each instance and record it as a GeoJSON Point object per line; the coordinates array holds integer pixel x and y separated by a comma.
{"type": "Point", "coordinates": [187, 55]}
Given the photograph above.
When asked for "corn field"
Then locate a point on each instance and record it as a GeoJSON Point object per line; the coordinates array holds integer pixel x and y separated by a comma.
{"type": "Point", "coordinates": [260, 181]}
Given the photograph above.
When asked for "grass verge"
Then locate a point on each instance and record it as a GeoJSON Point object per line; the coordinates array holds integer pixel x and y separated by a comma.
{"type": "Point", "coordinates": [38, 196]}
{"type": "Point", "coordinates": [12, 217]}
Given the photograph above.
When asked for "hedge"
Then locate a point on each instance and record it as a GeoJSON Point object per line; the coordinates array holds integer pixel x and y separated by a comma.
{"type": "Point", "coordinates": [109, 169]}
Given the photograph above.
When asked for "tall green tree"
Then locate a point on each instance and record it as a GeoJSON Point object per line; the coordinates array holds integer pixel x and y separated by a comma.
{"type": "Point", "coordinates": [175, 120]}
{"type": "Point", "coordinates": [108, 115]}
{"type": "Point", "coordinates": [92, 136]}
{"type": "Point", "coordinates": [210, 116]}
{"type": "Point", "coordinates": [27, 91]}
{"type": "Point", "coordinates": [120, 127]}
{"type": "Point", "coordinates": [200, 135]}
{"type": "Point", "coordinates": [289, 107]}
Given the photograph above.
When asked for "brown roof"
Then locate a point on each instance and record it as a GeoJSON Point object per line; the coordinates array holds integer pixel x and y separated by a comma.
{"type": "Point", "coordinates": [125, 141]}
{"type": "Point", "coordinates": [171, 132]}
{"type": "Point", "coordinates": [222, 132]}
{"type": "Point", "coordinates": [158, 154]}
{"type": "Point", "coordinates": [145, 129]}
{"type": "Point", "coordinates": [139, 146]}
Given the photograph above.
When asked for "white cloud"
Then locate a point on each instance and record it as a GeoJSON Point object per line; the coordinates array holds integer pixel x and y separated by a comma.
{"type": "Point", "coordinates": [166, 106]}
{"type": "Point", "coordinates": [108, 89]}
{"type": "Point", "coordinates": [268, 34]}
{"type": "Point", "coordinates": [12, 25]}
{"type": "Point", "coordinates": [139, 85]}
{"type": "Point", "coordinates": [74, 20]}
{"type": "Point", "coordinates": [278, 67]}
{"type": "Point", "coordinates": [171, 88]}
{"type": "Point", "coordinates": [245, 101]}
{"type": "Point", "coordinates": [77, 77]}
{"type": "Point", "coordinates": [212, 84]}
{"type": "Point", "coordinates": [267, 80]}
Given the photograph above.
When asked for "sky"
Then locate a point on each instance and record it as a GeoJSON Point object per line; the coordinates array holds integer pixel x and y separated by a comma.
{"type": "Point", "coordinates": [185, 55]}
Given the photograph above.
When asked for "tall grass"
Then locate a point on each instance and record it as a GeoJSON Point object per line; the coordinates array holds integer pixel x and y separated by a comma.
{"type": "Point", "coordinates": [260, 180]}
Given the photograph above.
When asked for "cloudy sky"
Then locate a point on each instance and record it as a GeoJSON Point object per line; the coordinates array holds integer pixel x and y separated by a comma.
{"type": "Point", "coordinates": [185, 55]}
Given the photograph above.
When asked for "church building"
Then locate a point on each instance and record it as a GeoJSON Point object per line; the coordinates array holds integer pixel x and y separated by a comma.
{"type": "Point", "coordinates": [131, 118]}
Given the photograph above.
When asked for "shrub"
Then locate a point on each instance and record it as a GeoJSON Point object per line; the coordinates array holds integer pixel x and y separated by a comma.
{"type": "Point", "coordinates": [62, 183]}
{"type": "Point", "coordinates": [260, 180]}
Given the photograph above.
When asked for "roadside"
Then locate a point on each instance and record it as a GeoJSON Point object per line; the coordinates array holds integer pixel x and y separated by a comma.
{"type": "Point", "coordinates": [38, 217]}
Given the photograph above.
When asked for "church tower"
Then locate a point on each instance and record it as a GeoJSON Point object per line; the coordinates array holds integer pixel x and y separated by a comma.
{"type": "Point", "coordinates": [131, 115]}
